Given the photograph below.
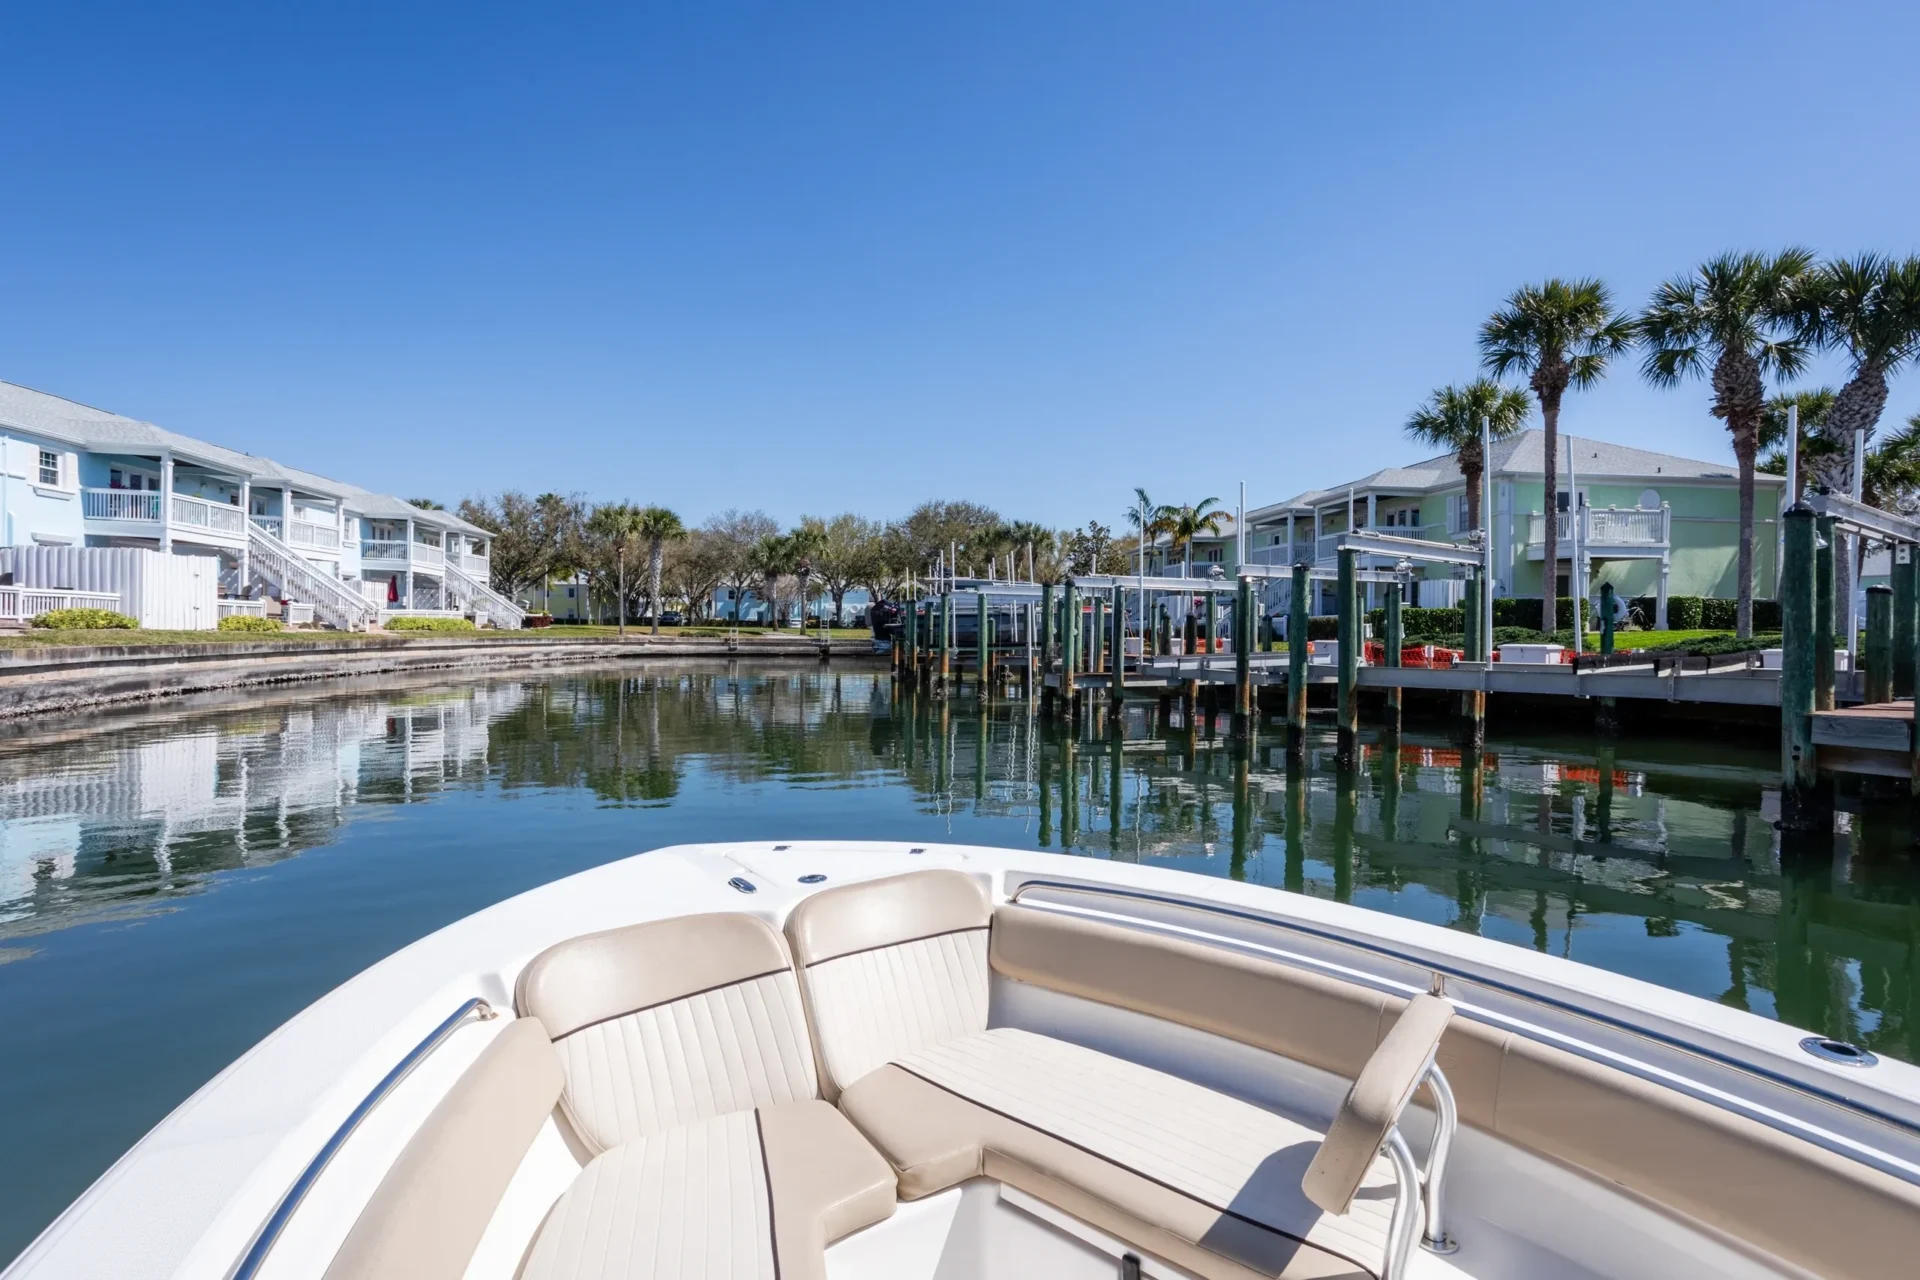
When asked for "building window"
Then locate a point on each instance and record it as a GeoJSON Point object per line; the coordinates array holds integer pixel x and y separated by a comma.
{"type": "Point", "coordinates": [49, 467]}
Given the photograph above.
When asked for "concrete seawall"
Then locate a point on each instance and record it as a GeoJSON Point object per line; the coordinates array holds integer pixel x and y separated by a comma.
{"type": "Point", "coordinates": [37, 681]}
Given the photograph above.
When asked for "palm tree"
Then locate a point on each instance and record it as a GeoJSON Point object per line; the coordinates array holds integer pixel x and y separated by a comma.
{"type": "Point", "coordinates": [1736, 314]}
{"type": "Point", "coordinates": [1184, 524]}
{"type": "Point", "coordinates": [1030, 539]}
{"type": "Point", "coordinates": [1890, 478]}
{"type": "Point", "coordinates": [1151, 519]}
{"type": "Point", "coordinates": [1560, 333]}
{"type": "Point", "coordinates": [618, 523]}
{"type": "Point", "coordinates": [1814, 404]}
{"type": "Point", "coordinates": [1451, 418]}
{"type": "Point", "coordinates": [1868, 307]}
{"type": "Point", "coordinates": [658, 526]}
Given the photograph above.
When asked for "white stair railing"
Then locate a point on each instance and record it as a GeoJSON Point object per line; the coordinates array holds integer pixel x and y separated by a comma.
{"type": "Point", "coordinates": [504, 612]}
{"type": "Point", "coordinates": [333, 601]}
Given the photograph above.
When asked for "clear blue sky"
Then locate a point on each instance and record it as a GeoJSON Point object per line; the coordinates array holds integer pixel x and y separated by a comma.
{"type": "Point", "coordinates": [823, 256]}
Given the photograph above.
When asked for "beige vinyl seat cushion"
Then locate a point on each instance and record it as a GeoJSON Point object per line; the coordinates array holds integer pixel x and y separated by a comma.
{"type": "Point", "coordinates": [663, 1024]}
{"type": "Point", "coordinates": [1203, 1180]}
{"type": "Point", "coordinates": [890, 966]}
{"type": "Point", "coordinates": [746, 1195]}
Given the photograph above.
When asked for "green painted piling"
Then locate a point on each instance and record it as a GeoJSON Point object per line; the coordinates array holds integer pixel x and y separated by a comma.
{"type": "Point", "coordinates": [1117, 684]}
{"type": "Point", "coordinates": [1046, 648]}
{"type": "Point", "coordinates": [1606, 618]}
{"type": "Point", "coordinates": [1347, 712]}
{"type": "Point", "coordinates": [1800, 808]}
{"type": "Point", "coordinates": [1097, 639]}
{"type": "Point", "coordinates": [1470, 614]}
{"type": "Point", "coordinates": [1905, 632]}
{"type": "Point", "coordinates": [1297, 615]}
{"type": "Point", "coordinates": [1826, 544]}
{"type": "Point", "coordinates": [946, 638]}
{"type": "Point", "coordinates": [910, 639]}
{"type": "Point", "coordinates": [1879, 669]}
{"type": "Point", "coordinates": [1070, 645]}
{"type": "Point", "coordinates": [1243, 626]}
{"type": "Point", "coordinates": [1394, 642]}
{"type": "Point", "coordinates": [1213, 634]}
{"type": "Point", "coordinates": [982, 647]}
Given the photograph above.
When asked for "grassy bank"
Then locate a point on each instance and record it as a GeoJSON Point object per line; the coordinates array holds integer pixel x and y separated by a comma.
{"type": "Point", "coordinates": [38, 638]}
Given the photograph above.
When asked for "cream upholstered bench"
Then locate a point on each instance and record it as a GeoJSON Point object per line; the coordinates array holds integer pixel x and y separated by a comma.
{"type": "Point", "coordinates": [677, 1055]}
{"type": "Point", "coordinates": [894, 974]}
{"type": "Point", "coordinates": [687, 1069]}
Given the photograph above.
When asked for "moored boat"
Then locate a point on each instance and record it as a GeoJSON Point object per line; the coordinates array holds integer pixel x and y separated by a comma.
{"type": "Point", "coordinates": [942, 1062]}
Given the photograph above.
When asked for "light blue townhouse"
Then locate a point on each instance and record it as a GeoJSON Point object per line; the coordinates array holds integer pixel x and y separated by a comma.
{"type": "Point", "coordinates": [80, 478]}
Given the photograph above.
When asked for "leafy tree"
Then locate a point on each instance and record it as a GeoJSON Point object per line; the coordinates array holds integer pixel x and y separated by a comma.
{"type": "Point", "coordinates": [932, 529]}
{"type": "Point", "coordinates": [1149, 519]}
{"type": "Point", "coordinates": [1031, 540]}
{"type": "Point", "coordinates": [1094, 549]}
{"type": "Point", "coordinates": [1560, 333]}
{"type": "Point", "coordinates": [529, 535]}
{"type": "Point", "coordinates": [1734, 316]}
{"type": "Point", "coordinates": [737, 535]}
{"type": "Point", "coordinates": [619, 526]}
{"type": "Point", "coordinates": [848, 554]}
{"type": "Point", "coordinates": [658, 526]}
{"type": "Point", "coordinates": [1890, 480]}
{"type": "Point", "coordinates": [1867, 308]}
{"type": "Point", "coordinates": [696, 566]}
{"type": "Point", "coordinates": [1451, 418]}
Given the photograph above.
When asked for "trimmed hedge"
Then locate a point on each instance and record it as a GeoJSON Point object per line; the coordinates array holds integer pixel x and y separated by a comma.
{"type": "Point", "coordinates": [84, 620]}
{"type": "Point", "coordinates": [1705, 613]}
{"type": "Point", "coordinates": [429, 624]}
{"type": "Point", "coordinates": [1421, 622]}
{"type": "Point", "coordinates": [242, 622]}
{"type": "Point", "coordinates": [1524, 611]}
{"type": "Point", "coordinates": [1324, 626]}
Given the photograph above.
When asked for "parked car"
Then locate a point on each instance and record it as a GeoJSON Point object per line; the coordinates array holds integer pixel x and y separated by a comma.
{"type": "Point", "coordinates": [672, 618]}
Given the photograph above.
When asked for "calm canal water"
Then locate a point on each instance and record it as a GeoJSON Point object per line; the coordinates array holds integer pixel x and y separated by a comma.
{"type": "Point", "coordinates": [176, 881]}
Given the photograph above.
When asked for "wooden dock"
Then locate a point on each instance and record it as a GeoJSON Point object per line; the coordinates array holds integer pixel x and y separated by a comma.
{"type": "Point", "coordinates": [1875, 738]}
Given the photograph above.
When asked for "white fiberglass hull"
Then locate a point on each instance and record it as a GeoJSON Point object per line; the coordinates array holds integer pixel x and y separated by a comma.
{"type": "Point", "coordinates": [189, 1199]}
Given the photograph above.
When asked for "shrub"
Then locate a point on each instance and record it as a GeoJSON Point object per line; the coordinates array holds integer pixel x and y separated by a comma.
{"type": "Point", "coordinates": [1524, 611]}
{"type": "Point", "coordinates": [1705, 613]}
{"type": "Point", "coordinates": [1323, 627]}
{"type": "Point", "coordinates": [84, 620]}
{"type": "Point", "coordinates": [1684, 613]}
{"type": "Point", "coordinates": [241, 622]}
{"type": "Point", "coordinates": [429, 624]}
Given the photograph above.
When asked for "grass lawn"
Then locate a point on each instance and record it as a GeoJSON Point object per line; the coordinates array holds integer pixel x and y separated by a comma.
{"type": "Point", "coordinates": [706, 630]}
{"type": "Point", "coordinates": [1697, 642]}
{"type": "Point", "coordinates": [37, 638]}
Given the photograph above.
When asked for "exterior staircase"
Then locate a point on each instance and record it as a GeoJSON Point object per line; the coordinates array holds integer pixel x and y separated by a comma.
{"type": "Point", "coordinates": [477, 596]}
{"type": "Point", "coordinates": [279, 566]}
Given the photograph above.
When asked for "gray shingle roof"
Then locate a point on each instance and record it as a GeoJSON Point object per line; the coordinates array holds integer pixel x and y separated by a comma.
{"type": "Point", "coordinates": [1522, 455]}
{"type": "Point", "coordinates": [99, 431]}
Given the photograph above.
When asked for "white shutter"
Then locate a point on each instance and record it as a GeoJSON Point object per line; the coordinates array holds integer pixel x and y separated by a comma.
{"type": "Point", "coordinates": [20, 456]}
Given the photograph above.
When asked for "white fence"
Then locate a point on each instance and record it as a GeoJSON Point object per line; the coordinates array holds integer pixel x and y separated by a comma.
{"type": "Point", "coordinates": [23, 604]}
{"type": "Point", "coordinates": [177, 592]}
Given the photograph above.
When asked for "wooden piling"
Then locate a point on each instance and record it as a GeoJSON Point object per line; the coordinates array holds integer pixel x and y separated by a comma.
{"type": "Point", "coordinates": [1213, 635]}
{"type": "Point", "coordinates": [1606, 712]}
{"type": "Point", "coordinates": [909, 640]}
{"type": "Point", "coordinates": [1117, 676]}
{"type": "Point", "coordinates": [1048, 702]}
{"type": "Point", "coordinates": [1297, 615]}
{"type": "Point", "coordinates": [1393, 643]}
{"type": "Point", "coordinates": [1800, 807]}
{"type": "Point", "coordinates": [1473, 702]}
{"type": "Point", "coordinates": [982, 648]}
{"type": "Point", "coordinates": [1825, 545]}
{"type": "Point", "coordinates": [1347, 712]}
{"type": "Point", "coordinates": [1070, 647]}
{"type": "Point", "coordinates": [1879, 668]}
{"type": "Point", "coordinates": [1097, 637]}
{"type": "Point", "coordinates": [946, 641]}
{"type": "Point", "coordinates": [1243, 628]}
{"type": "Point", "coordinates": [1906, 621]}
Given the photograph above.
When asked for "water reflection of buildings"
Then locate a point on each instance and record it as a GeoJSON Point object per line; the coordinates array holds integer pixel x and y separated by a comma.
{"type": "Point", "coordinates": [120, 819]}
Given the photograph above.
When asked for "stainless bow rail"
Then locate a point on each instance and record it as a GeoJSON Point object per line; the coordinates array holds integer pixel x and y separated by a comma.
{"type": "Point", "coordinates": [283, 1212]}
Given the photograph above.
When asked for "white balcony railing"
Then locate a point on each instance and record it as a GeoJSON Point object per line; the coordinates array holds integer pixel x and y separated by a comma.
{"type": "Point", "coordinates": [385, 550]}
{"type": "Point", "coordinates": [1604, 527]}
{"type": "Point", "coordinates": [268, 524]}
{"type": "Point", "coordinates": [479, 568]}
{"type": "Point", "coordinates": [198, 513]}
{"type": "Point", "coordinates": [120, 504]}
{"type": "Point", "coordinates": [304, 533]}
{"type": "Point", "coordinates": [427, 553]}
{"type": "Point", "coordinates": [234, 608]}
{"type": "Point", "coordinates": [21, 604]}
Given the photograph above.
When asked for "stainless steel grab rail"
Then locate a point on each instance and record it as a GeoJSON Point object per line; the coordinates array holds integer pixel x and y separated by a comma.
{"type": "Point", "coordinates": [283, 1212]}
